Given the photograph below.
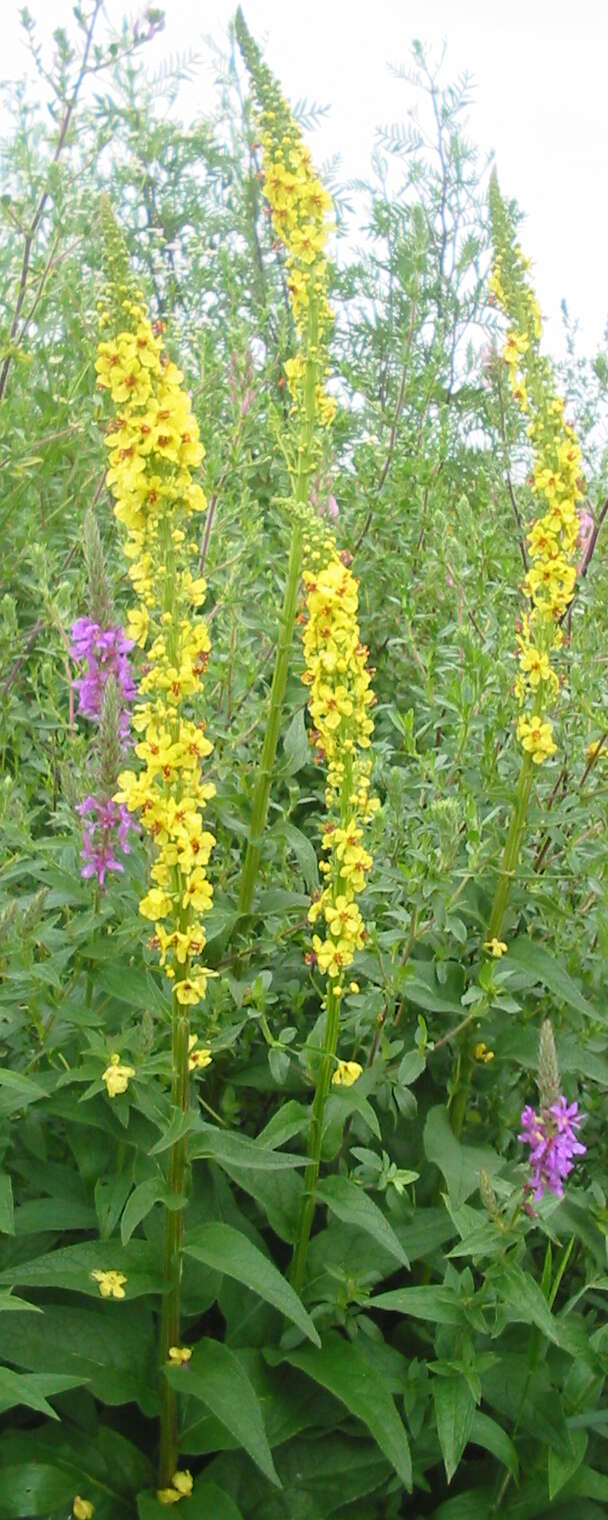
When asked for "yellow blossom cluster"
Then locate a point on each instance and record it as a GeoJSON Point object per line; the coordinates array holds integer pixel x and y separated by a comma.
{"type": "Point", "coordinates": [154, 444]}
{"type": "Point", "coordinates": [556, 484]}
{"type": "Point", "coordinates": [82, 1509]}
{"type": "Point", "coordinates": [339, 705]}
{"type": "Point", "coordinates": [181, 1487]}
{"type": "Point", "coordinates": [300, 210]}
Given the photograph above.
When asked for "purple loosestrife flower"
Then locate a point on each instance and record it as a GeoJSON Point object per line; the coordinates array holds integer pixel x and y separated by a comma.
{"type": "Point", "coordinates": [106, 651]}
{"type": "Point", "coordinates": [552, 1139]}
{"type": "Point", "coordinates": [106, 826]}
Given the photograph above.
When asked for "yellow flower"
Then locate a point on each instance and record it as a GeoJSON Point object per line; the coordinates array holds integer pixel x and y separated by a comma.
{"type": "Point", "coordinates": [536, 737]}
{"type": "Point", "coordinates": [181, 1488]}
{"type": "Point", "coordinates": [482, 1053]}
{"type": "Point", "coordinates": [346, 1073]}
{"type": "Point", "coordinates": [116, 1076]}
{"type": "Point", "coordinates": [198, 1059]}
{"type": "Point", "coordinates": [496, 947]}
{"type": "Point", "coordinates": [179, 1355]}
{"type": "Point", "coordinates": [110, 1283]}
{"type": "Point", "coordinates": [82, 1509]}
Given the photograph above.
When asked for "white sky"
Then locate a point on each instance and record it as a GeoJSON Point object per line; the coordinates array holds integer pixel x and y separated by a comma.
{"type": "Point", "coordinates": [539, 100]}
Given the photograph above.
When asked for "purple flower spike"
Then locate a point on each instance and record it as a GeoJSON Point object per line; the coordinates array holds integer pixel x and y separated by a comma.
{"type": "Point", "coordinates": [553, 1142]}
{"type": "Point", "coordinates": [106, 651]}
{"type": "Point", "coordinates": [106, 826]}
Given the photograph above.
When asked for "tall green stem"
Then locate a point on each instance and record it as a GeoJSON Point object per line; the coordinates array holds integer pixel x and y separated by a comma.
{"type": "Point", "coordinates": [301, 487]}
{"type": "Point", "coordinates": [506, 876]}
{"type": "Point", "coordinates": [259, 807]}
{"type": "Point", "coordinates": [174, 1234]}
{"type": "Point", "coordinates": [315, 1139]}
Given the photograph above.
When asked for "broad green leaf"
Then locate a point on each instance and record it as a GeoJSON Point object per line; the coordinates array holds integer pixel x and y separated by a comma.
{"type": "Point", "coordinates": [56, 1214]}
{"type": "Point", "coordinates": [31, 1490]}
{"type": "Point", "coordinates": [216, 1377]}
{"type": "Point", "coordinates": [18, 1091]}
{"type": "Point", "coordinates": [304, 852]}
{"type": "Point", "coordinates": [525, 1299]}
{"type": "Point", "coordinates": [7, 1211]}
{"type": "Point", "coordinates": [130, 985]}
{"type": "Point", "coordinates": [439, 1305]}
{"type": "Point", "coordinates": [228, 1250]}
{"type": "Point", "coordinates": [237, 1151]}
{"type": "Point", "coordinates": [475, 1504]}
{"type": "Point", "coordinates": [342, 1369]}
{"type": "Point", "coordinates": [179, 1125]}
{"type": "Point", "coordinates": [138, 1205]}
{"type": "Point", "coordinates": [460, 1164]}
{"type": "Point", "coordinates": [71, 1267]}
{"type": "Point", "coordinates": [454, 1410]}
{"type": "Point", "coordinates": [548, 969]}
{"type": "Point", "coordinates": [563, 1464]}
{"type": "Point", "coordinates": [488, 1433]}
{"type": "Point", "coordinates": [113, 1353]}
{"type": "Point", "coordinates": [296, 744]}
{"type": "Point", "coordinates": [353, 1206]}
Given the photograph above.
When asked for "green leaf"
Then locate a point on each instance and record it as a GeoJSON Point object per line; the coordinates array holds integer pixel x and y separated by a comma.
{"type": "Point", "coordinates": [88, 1342]}
{"type": "Point", "coordinates": [18, 1091]}
{"type": "Point", "coordinates": [130, 985]}
{"type": "Point", "coordinates": [228, 1250]}
{"type": "Point", "coordinates": [138, 1205]}
{"type": "Point", "coordinates": [296, 744]}
{"type": "Point", "coordinates": [563, 1464]}
{"type": "Point", "coordinates": [224, 1146]}
{"type": "Point", "coordinates": [454, 1409]}
{"type": "Point", "coordinates": [7, 1212]}
{"type": "Point", "coordinates": [439, 1305]}
{"type": "Point", "coordinates": [31, 1490]}
{"type": "Point", "coordinates": [525, 1299]}
{"type": "Point", "coordinates": [546, 968]}
{"type": "Point", "coordinates": [217, 1378]}
{"type": "Point", "coordinates": [488, 1433]}
{"type": "Point", "coordinates": [341, 1368]}
{"type": "Point", "coordinates": [353, 1206]}
{"type": "Point", "coordinates": [179, 1125]}
{"type": "Point", "coordinates": [71, 1267]}
{"type": "Point", "coordinates": [304, 852]}
{"type": "Point", "coordinates": [460, 1164]}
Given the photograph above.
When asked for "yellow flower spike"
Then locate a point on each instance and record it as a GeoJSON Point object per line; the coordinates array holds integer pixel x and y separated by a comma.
{"type": "Point", "coordinates": [496, 947]}
{"type": "Point", "coordinates": [82, 1509]}
{"type": "Point", "coordinates": [552, 540]}
{"type": "Point", "coordinates": [346, 1073]}
{"type": "Point", "coordinates": [110, 1283]}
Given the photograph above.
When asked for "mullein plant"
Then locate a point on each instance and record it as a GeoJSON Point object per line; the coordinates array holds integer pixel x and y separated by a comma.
{"type": "Point", "coordinates": [300, 214]}
{"type": "Point", "coordinates": [552, 540]}
{"type": "Point", "coordinates": [341, 727]}
{"type": "Point", "coordinates": [552, 543]}
{"type": "Point", "coordinates": [154, 446]}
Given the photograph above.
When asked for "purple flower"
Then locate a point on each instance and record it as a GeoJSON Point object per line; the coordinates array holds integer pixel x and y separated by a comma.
{"type": "Point", "coordinates": [106, 825]}
{"type": "Point", "coordinates": [106, 651]}
{"type": "Point", "coordinates": [551, 1137]}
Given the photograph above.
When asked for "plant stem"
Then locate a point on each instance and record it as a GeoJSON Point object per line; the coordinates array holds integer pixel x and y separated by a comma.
{"type": "Point", "coordinates": [263, 782]}
{"type": "Point", "coordinates": [315, 1138]}
{"type": "Point", "coordinates": [506, 876]}
{"type": "Point", "coordinates": [512, 848]}
{"type": "Point", "coordinates": [174, 1234]}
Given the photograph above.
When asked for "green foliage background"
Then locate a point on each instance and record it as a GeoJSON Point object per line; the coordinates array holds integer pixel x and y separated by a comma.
{"type": "Point", "coordinates": [463, 1345]}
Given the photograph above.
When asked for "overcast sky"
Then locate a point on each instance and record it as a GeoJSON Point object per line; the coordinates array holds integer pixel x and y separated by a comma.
{"type": "Point", "coordinates": [538, 100]}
